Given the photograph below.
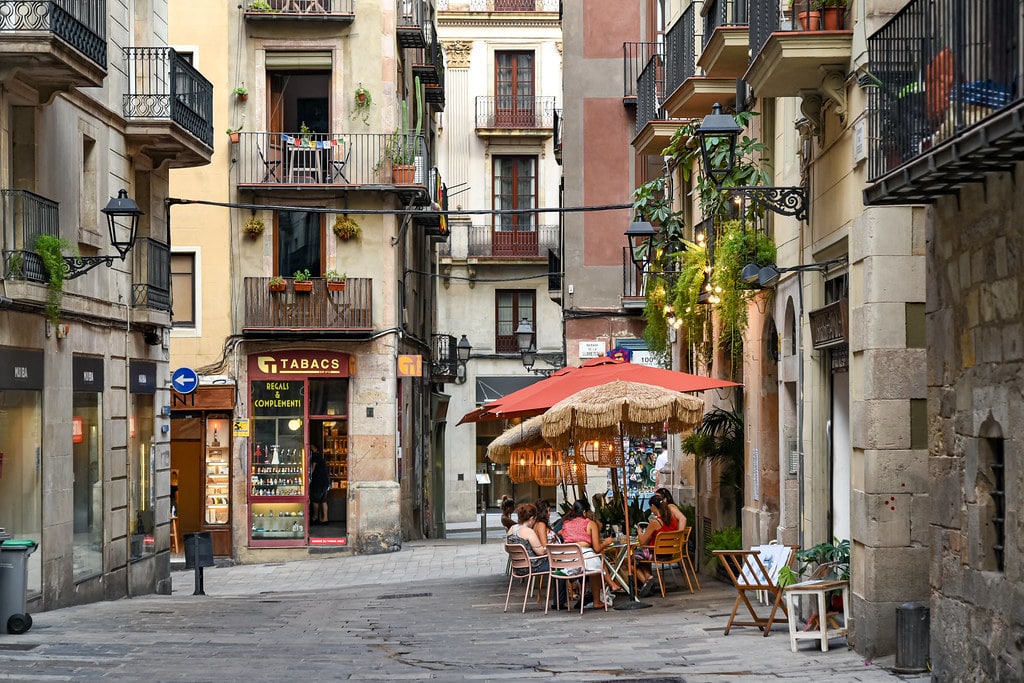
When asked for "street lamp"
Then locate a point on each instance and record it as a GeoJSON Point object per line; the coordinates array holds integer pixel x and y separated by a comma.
{"type": "Point", "coordinates": [786, 201]}
{"type": "Point", "coordinates": [640, 238]}
{"type": "Point", "coordinates": [769, 275]}
{"type": "Point", "coordinates": [528, 349]}
{"type": "Point", "coordinates": [122, 225]}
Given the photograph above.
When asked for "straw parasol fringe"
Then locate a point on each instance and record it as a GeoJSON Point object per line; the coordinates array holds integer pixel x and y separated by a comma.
{"type": "Point", "coordinates": [619, 408]}
{"type": "Point", "coordinates": [523, 435]}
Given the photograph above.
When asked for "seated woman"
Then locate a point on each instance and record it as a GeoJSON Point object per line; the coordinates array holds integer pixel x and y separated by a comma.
{"type": "Point", "coordinates": [662, 520]}
{"type": "Point", "coordinates": [524, 534]}
{"type": "Point", "coordinates": [578, 528]}
{"type": "Point", "coordinates": [507, 507]}
{"type": "Point", "coordinates": [676, 512]}
{"type": "Point", "coordinates": [542, 527]}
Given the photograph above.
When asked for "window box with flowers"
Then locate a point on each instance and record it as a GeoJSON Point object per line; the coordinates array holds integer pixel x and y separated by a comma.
{"type": "Point", "coordinates": [241, 93]}
{"type": "Point", "coordinates": [254, 227]}
{"type": "Point", "coordinates": [346, 228]}
{"type": "Point", "coordinates": [276, 284]}
{"type": "Point", "coordinates": [301, 281]}
{"type": "Point", "coordinates": [335, 281]}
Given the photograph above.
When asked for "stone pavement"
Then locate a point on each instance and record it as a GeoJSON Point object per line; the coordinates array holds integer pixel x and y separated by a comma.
{"type": "Point", "coordinates": [432, 611]}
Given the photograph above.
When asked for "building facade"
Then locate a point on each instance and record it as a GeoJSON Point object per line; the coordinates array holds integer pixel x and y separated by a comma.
{"type": "Point", "coordinates": [311, 305]}
{"type": "Point", "coordinates": [94, 106]}
{"type": "Point", "coordinates": [499, 149]}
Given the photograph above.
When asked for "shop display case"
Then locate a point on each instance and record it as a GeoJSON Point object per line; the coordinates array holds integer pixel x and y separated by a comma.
{"type": "Point", "coordinates": [218, 476]}
{"type": "Point", "coordinates": [336, 455]}
{"type": "Point", "coordinates": [280, 521]}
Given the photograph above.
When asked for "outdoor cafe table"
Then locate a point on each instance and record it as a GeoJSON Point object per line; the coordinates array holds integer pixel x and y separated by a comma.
{"type": "Point", "coordinates": [614, 558]}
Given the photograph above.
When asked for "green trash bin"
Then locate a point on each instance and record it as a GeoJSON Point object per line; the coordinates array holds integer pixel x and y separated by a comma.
{"type": "Point", "coordinates": [14, 616]}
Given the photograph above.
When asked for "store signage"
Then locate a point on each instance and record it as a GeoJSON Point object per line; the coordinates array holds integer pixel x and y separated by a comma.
{"type": "Point", "coordinates": [300, 363]}
{"type": "Point", "coordinates": [829, 325]}
{"type": "Point", "coordinates": [206, 397]}
{"type": "Point", "coordinates": [241, 428]}
{"type": "Point", "coordinates": [328, 541]}
{"type": "Point", "coordinates": [87, 373]}
{"type": "Point", "coordinates": [142, 377]}
{"type": "Point", "coordinates": [21, 369]}
{"type": "Point", "coordinates": [410, 365]}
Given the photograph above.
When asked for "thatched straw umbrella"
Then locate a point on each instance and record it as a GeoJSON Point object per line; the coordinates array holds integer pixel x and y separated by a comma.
{"type": "Point", "coordinates": [526, 434]}
{"type": "Point", "coordinates": [616, 410]}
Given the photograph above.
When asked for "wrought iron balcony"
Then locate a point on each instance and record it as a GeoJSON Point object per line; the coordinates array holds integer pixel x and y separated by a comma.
{"type": "Point", "coordinates": [25, 217]}
{"type": "Point", "coordinates": [521, 242]}
{"type": "Point", "coordinates": [54, 45]}
{"type": "Point", "coordinates": [689, 94]}
{"type": "Point", "coordinates": [557, 122]}
{"type": "Point", "coordinates": [444, 366]}
{"type": "Point", "coordinates": [654, 127]}
{"type": "Point", "coordinates": [332, 161]}
{"type": "Point", "coordinates": [320, 310]}
{"type": "Point", "coordinates": [168, 106]}
{"type": "Point", "coordinates": [315, 10]}
{"type": "Point", "coordinates": [152, 275]}
{"type": "Point", "coordinates": [515, 114]}
{"type": "Point", "coordinates": [680, 51]}
{"type": "Point", "coordinates": [410, 31]}
{"type": "Point", "coordinates": [794, 52]}
{"type": "Point", "coordinates": [635, 57]}
{"type": "Point", "coordinates": [427, 62]}
{"type": "Point", "coordinates": [945, 98]}
{"type": "Point", "coordinates": [726, 44]}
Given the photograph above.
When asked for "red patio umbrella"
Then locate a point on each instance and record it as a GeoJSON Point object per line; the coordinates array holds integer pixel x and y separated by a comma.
{"type": "Point", "coordinates": [538, 397]}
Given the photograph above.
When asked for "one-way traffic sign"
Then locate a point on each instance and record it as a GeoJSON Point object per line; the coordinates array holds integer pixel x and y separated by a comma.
{"type": "Point", "coordinates": [184, 380]}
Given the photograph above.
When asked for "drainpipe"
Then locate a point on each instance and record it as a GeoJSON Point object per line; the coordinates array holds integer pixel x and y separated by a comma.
{"type": "Point", "coordinates": [800, 404]}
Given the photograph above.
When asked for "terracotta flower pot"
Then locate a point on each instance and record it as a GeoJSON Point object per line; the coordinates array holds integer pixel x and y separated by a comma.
{"type": "Point", "coordinates": [810, 21]}
{"type": "Point", "coordinates": [235, 137]}
{"type": "Point", "coordinates": [304, 286]}
{"type": "Point", "coordinates": [274, 287]}
{"type": "Point", "coordinates": [403, 174]}
{"type": "Point", "coordinates": [336, 285]}
{"type": "Point", "coordinates": [832, 18]}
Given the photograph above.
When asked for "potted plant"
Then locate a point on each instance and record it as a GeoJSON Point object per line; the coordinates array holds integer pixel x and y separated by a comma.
{"type": "Point", "coordinates": [276, 284]}
{"type": "Point", "coordinates": [833, 14]}
{"type": "Point", "coordinates": [254, 227]}
{"type": "Point", "coordinates": [241, 93]}
{"type": "Point", "coordinates": [335, 280]}
{"type": "Point", "coordinates": [362, 103]}
{"type": "Point", "coordinates": [15, 265]}
{"type": "Point", "coordinates": [809, 13]}
{"type": "Point", "coordinates": [234, 134]}
{"type": "Point", "coordinates": [260, 6]}
{"type": "Point", "coordinates": [346, 228]}
{"type": "Point", "coordinates": [50, 250]}
{"type": "Point", "coordinates": [726, 538]}
{"type": "Point", "coordinates": [825, 561]}
{"type": "Point", "coordinates": [301, 281]}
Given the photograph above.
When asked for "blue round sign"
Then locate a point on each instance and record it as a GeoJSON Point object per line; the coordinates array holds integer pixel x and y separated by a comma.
{"type": "Point", "coordinates": [184, 380]}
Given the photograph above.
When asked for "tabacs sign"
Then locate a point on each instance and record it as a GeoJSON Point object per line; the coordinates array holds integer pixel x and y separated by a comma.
{"type": "Point", "coordinates": [301, 363]}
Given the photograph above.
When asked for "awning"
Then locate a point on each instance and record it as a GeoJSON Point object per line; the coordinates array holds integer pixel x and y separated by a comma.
{"type": "Point", "coordinates": [492, 388]}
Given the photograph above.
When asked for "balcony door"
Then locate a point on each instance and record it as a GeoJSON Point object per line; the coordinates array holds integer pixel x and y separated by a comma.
{"type": "Point", "coordinates": [513, 89]}
{"type": "Point", "coordinates": [299, 243]}
{"type": "Point", "coordinates": [515, 187]}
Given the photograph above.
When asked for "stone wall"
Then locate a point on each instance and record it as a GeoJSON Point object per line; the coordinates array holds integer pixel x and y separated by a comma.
{"type": "Point", "coordinates": [976, 419]}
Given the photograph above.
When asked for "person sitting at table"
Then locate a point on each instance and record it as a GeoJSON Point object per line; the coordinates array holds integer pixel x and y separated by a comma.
{"type": "Point", "coordinates": [662, 520]}
{"type": "Point", "coordinates": [508, 506]}
{"type": "Point", "coordinates": [542, 528]}
{"type": "Point", "coordinates": [681, 522]}
{"type": "Point", "coordinates": [580, 529]}
{"type": "Point", "coordinates": [524, 534]}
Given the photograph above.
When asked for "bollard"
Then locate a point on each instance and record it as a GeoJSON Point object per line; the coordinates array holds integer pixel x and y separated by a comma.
{"type": "Point", "coordinates": [483, 527]}
{"type": "Point", "coordinates": [912, 622]}
{"type": "Point", "coordinates": [199, 554]}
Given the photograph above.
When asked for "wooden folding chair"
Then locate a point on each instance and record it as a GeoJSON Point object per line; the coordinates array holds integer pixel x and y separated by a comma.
{"type": "Point", "coordinates": [748, 571]}
{"type": "Point", "coordinates": [567, 564]}
{"type": "Point", "coordinates": [522, 568]}
{"type": "Point", "coordinates": [687, 564]}
{"type": "Point", "coordinates": [667, 551]}
{"type": "Point", "coordinates": [270, 166]}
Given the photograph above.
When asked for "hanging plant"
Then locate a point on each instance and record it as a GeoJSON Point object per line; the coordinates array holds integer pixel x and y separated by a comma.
{"type": "Point", "coordinates": [254, 227]}
{"type": "Point", "coordinates": [50, 250]}
{"type": "Point", "coordinates": [361, 106]}
{"type": "Point", "coordinates": [346, 228]}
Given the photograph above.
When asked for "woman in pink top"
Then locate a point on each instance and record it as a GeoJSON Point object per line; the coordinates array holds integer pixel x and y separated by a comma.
{"type": "Point", "coordinates": [578, 528]}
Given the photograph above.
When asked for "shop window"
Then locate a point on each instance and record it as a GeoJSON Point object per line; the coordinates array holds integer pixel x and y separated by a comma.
{"type": "Point", "coordinates": [328, 397]}
{"type": "Point", "coordinates": [87, 485]}
{"type": "Point", "coordinates": [143, 485]}
{"type": "Point", "coordinates": [21, 510]}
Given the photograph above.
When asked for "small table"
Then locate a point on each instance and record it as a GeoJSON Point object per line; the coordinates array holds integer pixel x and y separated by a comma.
{"type": "Point", "coordinates": [827, 626]}
{"type": "Point", "coordinates": [614, 557]}
{"type": "Point", "coordinates": [305, 165]}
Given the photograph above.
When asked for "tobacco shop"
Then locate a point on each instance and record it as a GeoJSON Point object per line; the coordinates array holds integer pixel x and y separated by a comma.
{"type": "Point", "coordinates": [298, 410]}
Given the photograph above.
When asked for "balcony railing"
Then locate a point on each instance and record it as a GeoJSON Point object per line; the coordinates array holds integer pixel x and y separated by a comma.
{"type": "Point", "coordinates": [26, 216]}
{"type": "Point", "coordinates": [302, 160]}
{"type": "Point", "coordinates": [165, 86]}
{"type": "Point", "coordinates": [635, 57]}
{"type": "Point", "coordinates": [523, 112]}
{"type": "Point", "coordinates": [557, 124]}
{"type": "Point", "coordinates": [427, 62]}
{"type": "Point", "coordinates": [519, 243]}
{"type": "Point", "coordinates": [767, 18]}
{"type": "Point", "coordinates": [152, 286]}
{"type": "Point", "coordinates": [515, 5]}
{"type": "Point", "coordinates": [82, 24]}
{"type": "Point", "coordinates": [319, 310]}
{"type": "Point", "coordinates": [650, 89]}
{"type": "Point", "coordinates": [680, 51]}
{"type": "Point", "coordinates": [719, 13]}
{"type": "Point", "coordinates": [343, 10]}
{"type": "Point", "coordinates": [410, 31]}
{"type": "Point", "coordinates": [940, 68]}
